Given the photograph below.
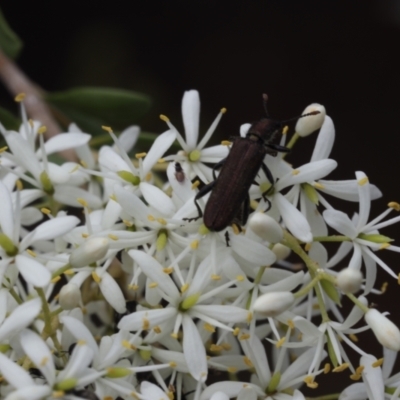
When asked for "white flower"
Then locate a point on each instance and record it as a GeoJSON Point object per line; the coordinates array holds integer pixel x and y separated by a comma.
{"type": "Point", "coordinates": [182, 309]}
{"type": "Point", "coordinates": [117, 167]}
{"type": "Point", "coordinates": [363, 235]}
{"type": "Point", "coordinates": [11, 249]}
{"type": "Point", "coordinates": [194, 155]}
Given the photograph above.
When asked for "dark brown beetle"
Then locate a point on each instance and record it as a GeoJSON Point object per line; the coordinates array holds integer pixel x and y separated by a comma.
{"type": "Point", "coordinates": [229, 200]}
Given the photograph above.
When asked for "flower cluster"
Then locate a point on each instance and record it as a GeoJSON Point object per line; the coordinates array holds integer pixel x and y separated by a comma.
{"type": "Point", "coordinates": [113, 288]}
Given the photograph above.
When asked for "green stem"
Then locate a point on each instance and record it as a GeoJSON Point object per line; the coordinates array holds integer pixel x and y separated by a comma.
{"type": "Point", "coordinates": [307, 288]}
{"type": "Point", "coordinates": [333, 238]}
{"type": "Point", "coordinates": [292, 142]}
{"type": "Point", "coordinates": [357, 302]}
{"type": "Point", "coordinates": [48, 328]}
{"type": "Point", "coordinates": [260, 273]}
{"type": "Point", "coordinates": [16, 296]}
{"type": "Point", "coordinates": [46, 311]}
{"type": "Point", "coordinates": [313, 267]}
{"type": "Point", "coordinates": [56, 312]}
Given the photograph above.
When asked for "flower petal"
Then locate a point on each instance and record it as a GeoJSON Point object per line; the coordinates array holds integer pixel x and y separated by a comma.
{"type": "Point", "coordinates": [33, 271]}
{"type": "Point", "coordinates": [193, 349]}
{"type": "Point", "coordinates": [157, 150]}
{"type": "Point", "coordinates": [339, 221]}
{"type": "Point", "coordinates": [326, 137]}
{"type": "Point", "coordinates": [294, 220]}
{"type": "Point", "coordinates": [191, 115]}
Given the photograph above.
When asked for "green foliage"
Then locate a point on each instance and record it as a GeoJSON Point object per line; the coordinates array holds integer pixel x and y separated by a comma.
{"type": "Point", "coordinates": [92, 107]}
{"type": "Point", "coordinates": [9, 120]}
{"type": "Point", "coordinates": [10, 43]}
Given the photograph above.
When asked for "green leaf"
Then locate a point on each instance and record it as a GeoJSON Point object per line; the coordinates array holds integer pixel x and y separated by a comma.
{"type": "Point", "coordinates": [9, 120]}
{"type": "Point", "coordinates": [10, 43]}
{"type": "Point", "coordinates": [92, 107]}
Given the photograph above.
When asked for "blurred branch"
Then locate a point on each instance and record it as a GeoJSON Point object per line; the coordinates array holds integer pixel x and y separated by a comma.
{"type": "Point", "coordinates": [17, 82]}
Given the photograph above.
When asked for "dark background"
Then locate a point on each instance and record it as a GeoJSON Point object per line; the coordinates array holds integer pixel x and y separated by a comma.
{"type": "Point", "coordinates": [343, 54]}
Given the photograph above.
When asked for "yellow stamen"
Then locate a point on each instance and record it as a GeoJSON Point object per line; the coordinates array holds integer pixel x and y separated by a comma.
{"type": "Point", "coordinates": [394, 205]}
{"type": "Point", "coordinates": [363, 181]}
{"type": "Point", "coordinates": [280, 342]}
{"type": "Point", "coordinates": [31, 252]}
{"type": "Point", "coordinates": [184, 287]}
{"type": "Point", "coordinates": [42, 129]}
{"type": "Point", "coordinates": [157, 329]}
{"type": "Point", "coordinates": [195, 184]}
{"type": "Point", "coordinates": [164, 118]}
{"type": "Point", "coordinates": [194, 245]}
{"type": "Point", "coordinates": [377, 363]}
{"type": "Point", "coordinates": [82, 202]}
{"type": "Point", "coordinates": [20, 97]}
{"type": "Point", "coordinates": [341, 368]}
{"type": "Point", "coordinates": [107, 129]}
{"type": "Point", "coordinates": [318, 185]}
{"type": "Point", "coordinates": [208, 327]}
{"type": "Point", "coordinates": [215, 348]}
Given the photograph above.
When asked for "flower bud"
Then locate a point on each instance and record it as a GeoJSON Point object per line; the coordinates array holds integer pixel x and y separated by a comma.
{"type": "Point", "coordinates": [281, 251]}
{"type": "Point", "coordinates": [70, 296]}
{"type": "Point", "coordinates": [219, 396]}
{"type": "Point", "coordinates": [307, 125]}
{"type": "Point", "coordinates": [266, 227]}
{"type": "Point", "coordinates": [274, 303]}
{"type": "Point", "coordinates": [387, 333]}
{"type": "Point", "coordinates": [89, 252]}
{"type": "Point", "coordinates": [349, 280]}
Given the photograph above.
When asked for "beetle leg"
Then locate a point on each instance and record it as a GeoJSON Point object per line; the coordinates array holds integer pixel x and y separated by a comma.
{"type": "Point", "coordinates": [268, 174]}
{"type": "Point", "coordinates": [227, 238]}
{"type": "Point", "coordinates": [218, 165]}
{"type": "Point", "coordinates": [278, 147]}
{"type": "Point", "coordinates": [245, 209]}
{"type": "Point", "coordinates": [202, 192]}
{"type": "Point", "coordinates": [271, 179]}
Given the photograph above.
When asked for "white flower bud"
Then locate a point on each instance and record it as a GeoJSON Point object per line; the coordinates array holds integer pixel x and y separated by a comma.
{"type": "Point", "coordinates": [349, 280]}
{"type": "Point", "coordinates": [89, 252]}
{"type": "Point", "coordinates": [266, 227]}
{"type": "Point", "coordinates": [387, 333]}
{"type": "Point", "coordinates": [281, 251]}
{"type": "Point", "coordinates": [219, 396]}
{"type": "Point", "coordinates": [307, 125]}
{"type": "Point", "coordinates": [70, 296]}
{"type": "Point", "coordinates": [274, 303]}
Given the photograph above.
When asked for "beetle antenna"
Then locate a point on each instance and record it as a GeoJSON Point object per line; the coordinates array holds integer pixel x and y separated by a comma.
{"type": "Point", "coordinates": [265, 99]}
{"type": "Point", "coordinates": [301, 116]}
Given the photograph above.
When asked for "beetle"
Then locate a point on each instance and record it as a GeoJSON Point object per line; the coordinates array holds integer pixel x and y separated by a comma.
{"type": "Point", "coordinates": [179, 172]}
{"type": "Point", "coordinates": [229, 200]}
